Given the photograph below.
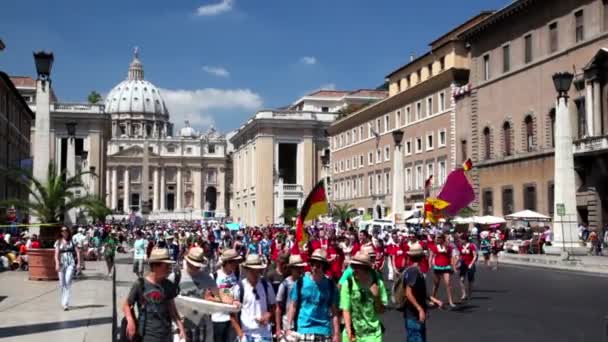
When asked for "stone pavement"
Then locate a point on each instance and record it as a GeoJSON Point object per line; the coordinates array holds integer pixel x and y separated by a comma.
{"type": "Point", "coordinates": [31, 311]}
{"type": "Point", "coordinates": [586, 264]}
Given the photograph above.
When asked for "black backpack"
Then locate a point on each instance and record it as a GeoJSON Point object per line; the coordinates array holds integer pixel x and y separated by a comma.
{"type": "Point", "coordinates": [139, 320]}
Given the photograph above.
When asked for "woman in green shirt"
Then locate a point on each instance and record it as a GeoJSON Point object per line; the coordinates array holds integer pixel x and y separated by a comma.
{"type": "Point", "coordinates": [362, 300]}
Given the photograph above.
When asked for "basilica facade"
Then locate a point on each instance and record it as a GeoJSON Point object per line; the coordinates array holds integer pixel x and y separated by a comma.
{"type": "Point", "coordinates": [153, 171]}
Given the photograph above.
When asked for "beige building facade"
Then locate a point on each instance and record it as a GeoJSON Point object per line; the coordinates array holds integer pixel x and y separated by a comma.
{"type": "Point", "coordinates": [508, 126]}
{"type": "Point", "coordinates": [276, 159]}
{"type": "Point", "coordinates": [420, 103]}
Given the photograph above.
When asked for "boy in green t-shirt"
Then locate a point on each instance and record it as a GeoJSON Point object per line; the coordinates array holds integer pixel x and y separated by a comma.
{"type": "Point", "coordinates": [362, 299]}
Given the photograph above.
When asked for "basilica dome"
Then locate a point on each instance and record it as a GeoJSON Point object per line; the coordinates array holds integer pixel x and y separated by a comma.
{"type": "Point", "coordinates": [135, 95]}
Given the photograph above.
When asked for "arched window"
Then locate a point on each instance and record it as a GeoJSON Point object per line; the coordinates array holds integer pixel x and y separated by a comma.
{"type": "Point", "coordinates": [529, 125]}
{"type": "Point", "coordinates": [487, 143]}
{"type": "Point", "coordinates": [506, 132]}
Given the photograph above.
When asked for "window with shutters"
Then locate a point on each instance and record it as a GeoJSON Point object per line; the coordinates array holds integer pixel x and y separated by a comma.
{"type": "Point", "coordinates": [506, 58]}
{"type": "Point", "coordinates": [507, 132]}
{"type": "Point", "coordinates": [553, 37]}
{"type": "Point", "coordinates": [488, 202]}
{"type": "Point", "coordinates": [529, 127]}
{"type": "Point", "coordinates": [487, 143]}
{"type": "Point", "coordinates": [579, 26]}
{"type": "Point", "coordinates": [507, 200]}
{"type": "Point", "coordinates": [528, 49]}
{"type": "Point", "coordinates": [530, 197]}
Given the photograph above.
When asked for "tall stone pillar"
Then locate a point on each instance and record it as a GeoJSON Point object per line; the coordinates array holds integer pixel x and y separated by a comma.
{"type": "Point", "coordinates": [565, 230]}
{"type": "Point", "coordinates": [179, 190]}
{"type": "Point", "coordinates": [589, 106]}
{"type": "Point", "coordinates": [42, 141]}
{"type": "Point", "coordinates": [279, 203]}
{"type": "Point", "coordinates": [109, 188]}
{"type": "Point", "coordinates": [114, 191]}
{"type": "Point", "coordinates": [198, 188]}
{"type": "Point", "coordinates": [155, 190]}
{"type": "Point", "coordinates": [145, 179]}
{"type": "Point", "coordinates": [398, 202]}
{"type": "Point", "coordinates": [221, 190]}
{"type": "Point", "coordinates": [597, 108]}
{"type": "Point", "coordinates": [163, 187]}
{"type": "Point", "coordinates": [71, 172]}
{"type": "Point", "coordinates": [126, 202]}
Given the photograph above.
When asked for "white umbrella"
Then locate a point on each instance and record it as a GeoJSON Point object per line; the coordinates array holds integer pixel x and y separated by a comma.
{"type": "Point", "coordinates": [414, 220]}
{"type": "Point", "coordinates": [463, 220]}
{"type": "Point", "coordinates": [528, 215]}
{"type": "Point", "coordinates": [489, 219]}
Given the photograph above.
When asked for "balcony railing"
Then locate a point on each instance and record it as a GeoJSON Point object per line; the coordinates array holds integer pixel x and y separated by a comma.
{"type": "Point", "coordinates": [78, 108]}
{"type": "Point", "coordinates": [591, 144]}
{"type": "Point", "coordinates": [290, 188]}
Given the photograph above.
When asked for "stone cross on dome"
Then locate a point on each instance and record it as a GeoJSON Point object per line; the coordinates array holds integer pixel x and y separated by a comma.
{"type": "Point", "coordinates": [136, 69]}
{"type": "Point", "coordinates": [136, 52]}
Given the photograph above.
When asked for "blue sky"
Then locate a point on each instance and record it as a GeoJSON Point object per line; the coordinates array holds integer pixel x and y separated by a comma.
{"type": "Point", "coordinates": [219, 61]}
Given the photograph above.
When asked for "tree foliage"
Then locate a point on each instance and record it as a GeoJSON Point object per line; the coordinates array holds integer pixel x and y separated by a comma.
{"type": "Point", "coordinates": [94, 97]}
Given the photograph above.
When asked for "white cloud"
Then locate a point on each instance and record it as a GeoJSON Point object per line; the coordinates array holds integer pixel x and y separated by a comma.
{"type": "Point", "coordinates": [215, 9]}
{"type": "Point", "coordinates": [308, 60]}
{"type": "Point", "coordinates": [197, 105]}
{"type": "Point", "coordinates": [216, 71]}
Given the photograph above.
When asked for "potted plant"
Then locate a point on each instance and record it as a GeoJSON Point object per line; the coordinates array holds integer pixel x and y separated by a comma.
{"type": "Point", "coordinates": [48, 201]}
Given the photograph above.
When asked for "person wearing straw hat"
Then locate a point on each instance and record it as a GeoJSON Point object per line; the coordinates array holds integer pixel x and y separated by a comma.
{"type": "Point", "coordinates": [224, 325]}
{"type": "Point", "coordinates": [362, 300]}
{"type": "Point", "coordinates": [257, 300]}
{"type": "Point", "coordinates": [414, 296]}
{"type": "Point", "coordinates": [154, 294]}
{"type": "Point", "coordinates": [295, 269]}
{"type": "Point", "coordinates": [314, 304]}
{"type": "Point", "coordinates": [195, 282]}
{"type": "Point", "coordinates": [348, 272]}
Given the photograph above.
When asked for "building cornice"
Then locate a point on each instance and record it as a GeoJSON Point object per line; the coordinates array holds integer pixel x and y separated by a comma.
{"type": "Point", "coordinates": [496, 18]}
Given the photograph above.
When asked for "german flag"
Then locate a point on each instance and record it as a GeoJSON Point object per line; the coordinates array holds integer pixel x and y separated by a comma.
{"type": "Point", "coordinates": [314, 205]}
{"type": "Point", "coordinates": [467, 165]}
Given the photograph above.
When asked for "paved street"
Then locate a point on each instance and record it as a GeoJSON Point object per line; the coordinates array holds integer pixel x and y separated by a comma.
{"type": "Point", "coordinates": [521, 304]}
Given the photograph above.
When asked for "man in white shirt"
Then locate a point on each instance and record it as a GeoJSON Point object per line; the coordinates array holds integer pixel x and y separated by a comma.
{"type": "Point", "coordinates": [257, 299]}
{"type": "Point", "coordinates": [139, 254]}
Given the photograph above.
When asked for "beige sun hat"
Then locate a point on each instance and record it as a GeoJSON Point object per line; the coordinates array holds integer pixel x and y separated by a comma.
{"type": "Point", "coordinates": [196, 257]}
{"type": "Point", "coordinates": [296, 261]}
{"type": "Point", "coordinates": [415, 249]}
{"type": "Point", "coordinates": [230, 255]}
{"type": "Point", "coordinates": [362, 258]}
{"type": "Point", "coordinates": [369, 250]}
{"type": "Point", "coordinates": [319, 255]}
{"type": "Point", "coordinates": [160, 255]}
{"type": "Point", "coordinates": [253, 261]}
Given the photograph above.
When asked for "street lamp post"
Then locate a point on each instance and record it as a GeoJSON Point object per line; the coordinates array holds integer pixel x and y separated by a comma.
{"type": "Point", "coordinates": [398, 203]}
{"type": "Point", "coordinates": [325, 162]}
{"type": "Point", "coordinates": [564, 177]}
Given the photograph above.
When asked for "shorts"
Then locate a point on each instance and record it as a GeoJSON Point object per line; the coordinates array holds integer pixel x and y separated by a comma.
{"type": "Point", "coordinates": [467, 272]}
{"type": "Point", "coordinates": [314, 338]}
{"type": "Point", "coordinates": [138, 266]}
{"type": "Point", "coordinates": [442, 269]}
{"type": "Point", "coordinates": [415, 330]}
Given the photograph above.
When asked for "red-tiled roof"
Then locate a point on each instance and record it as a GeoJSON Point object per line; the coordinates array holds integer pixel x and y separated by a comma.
{"type": "Point", "coordinates": [23, 81]}
{"type": "Point", "coordinates": [369, 93]}
{"type": "Point", "coordinates": [329, 93]}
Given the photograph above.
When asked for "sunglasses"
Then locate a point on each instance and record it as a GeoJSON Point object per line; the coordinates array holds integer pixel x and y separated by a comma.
{"type": "Point", "coordinates": [316, 264]}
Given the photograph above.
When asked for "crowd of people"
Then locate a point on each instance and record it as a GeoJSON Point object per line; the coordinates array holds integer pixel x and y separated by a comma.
{"type": "Point", "coordinates": [333, 287]}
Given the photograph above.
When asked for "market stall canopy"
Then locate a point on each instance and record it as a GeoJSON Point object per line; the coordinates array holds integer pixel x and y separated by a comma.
{"type": "Point", "coordinates": [528, 215]}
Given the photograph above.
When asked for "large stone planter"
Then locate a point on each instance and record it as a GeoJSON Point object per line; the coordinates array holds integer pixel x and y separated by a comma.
{"type": "Point", "coordinates": [42, 264]}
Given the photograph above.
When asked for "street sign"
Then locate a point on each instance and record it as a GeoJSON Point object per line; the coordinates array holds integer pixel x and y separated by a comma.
{"type": "Point", "coordinates": [561, 209]}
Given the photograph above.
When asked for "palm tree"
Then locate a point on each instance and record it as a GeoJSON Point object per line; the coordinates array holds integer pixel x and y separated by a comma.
{"type": "Point", "coordinates": [50, 200]}
{"type": "Point", "coordinates": [343, 213]}
{"type": "Point", "coordinates": [288, 215]}
{"type": "Point", "coordinates": [98, 211]}
{"type": "Point", "coordinates": [94, 97]}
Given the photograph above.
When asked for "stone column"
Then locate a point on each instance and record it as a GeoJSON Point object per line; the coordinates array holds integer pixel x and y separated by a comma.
{"type": "Point", "coordinates": [565, 230]}
{"type": "Point", "coordinates": [126, 205]}
{"type": "Point", "coordinates": [113, 128]}
{"type": "Point", "coordinates": [398, 203]}
{"type": "Point", "coordinates": [198, 187]}
{"type": "Point", "coordinates": [42, 142]}
{"type": "Point", "coordinates": [221, 190]}
{"type": "Point", "coordinates": [178, 195]}
{"type": "Point", "coordinates": [129, 132]}
{"type": "Point", "coordinates": [155, 190]}
{"type": "Point", "coordinates": [279, 209]}
{"type": "Point", "coordinates": [109, 188]}
{"type": "Point", "coordinates": [597, 108]}
{"type": "Point", "coordinates": [163, 187]}
{"type": "Point", "coordinates": [154, 130]}
{"type": "Point", "coordinates": [71, 171]}
{"type": "Point", "coordinates": [114, 191]}
{"type": "Point", "coordinates": [589, 105]}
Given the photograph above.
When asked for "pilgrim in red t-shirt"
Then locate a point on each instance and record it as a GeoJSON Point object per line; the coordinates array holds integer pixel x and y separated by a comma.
{"type": "Point", "coordinates": [336, 263]}
{"type": "Point", "coordinates": [467, 253]}
{"type": "Point", "coordinates": [399, 255]}
{"type": "Point", "coordinates": [443, 255]}
{"type": "Point", "coordinates": [380, 254]}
